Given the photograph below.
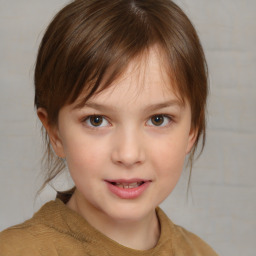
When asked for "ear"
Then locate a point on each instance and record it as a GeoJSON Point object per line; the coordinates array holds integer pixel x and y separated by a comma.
{"type": "Point", "coordinates": [191, 139]}
{"type": "Point", "coordinates": [52, 132]}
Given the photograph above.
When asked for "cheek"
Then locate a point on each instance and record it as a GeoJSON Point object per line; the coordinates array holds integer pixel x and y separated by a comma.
{"type": "Point", "coordinates": [84, 158]}
{"type": "Point", "coordinates": [169, 157]}
{"type": "Point", "coordinates": [170, 154]}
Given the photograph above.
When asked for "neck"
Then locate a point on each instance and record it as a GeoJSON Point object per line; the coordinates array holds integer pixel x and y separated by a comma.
{"type": "Point", "coordinates": [140, 234]}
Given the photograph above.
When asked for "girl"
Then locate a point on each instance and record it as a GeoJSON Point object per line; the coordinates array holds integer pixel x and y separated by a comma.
{"type": "Point", "coordinates": [120, 89]}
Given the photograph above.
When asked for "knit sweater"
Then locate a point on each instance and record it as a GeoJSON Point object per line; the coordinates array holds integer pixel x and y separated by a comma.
{"type": "Point", "coordinates": [56, 230]}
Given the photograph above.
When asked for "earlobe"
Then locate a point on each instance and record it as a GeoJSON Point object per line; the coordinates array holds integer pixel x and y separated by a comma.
{"type": "Point", "coordinates": [52, 132]}
{"type": "Point", "coordinates": [191, 139]}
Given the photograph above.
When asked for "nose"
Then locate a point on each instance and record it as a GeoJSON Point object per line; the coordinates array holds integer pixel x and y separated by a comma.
{"type": "Point", "coordinates": [128, 149]}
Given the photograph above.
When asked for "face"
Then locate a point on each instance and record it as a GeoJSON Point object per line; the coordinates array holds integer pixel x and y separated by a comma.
{"type": "Point", "coordinates": [126, 147]}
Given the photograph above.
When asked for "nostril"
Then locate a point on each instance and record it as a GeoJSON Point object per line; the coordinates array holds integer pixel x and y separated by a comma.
{"type": "Point", "coordinates": [127, 153]}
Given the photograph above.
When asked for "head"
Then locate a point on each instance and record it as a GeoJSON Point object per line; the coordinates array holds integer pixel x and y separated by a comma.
{"type": "Point", "coordinates": [90, 44]}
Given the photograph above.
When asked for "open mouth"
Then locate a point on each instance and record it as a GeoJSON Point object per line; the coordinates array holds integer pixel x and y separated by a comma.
{"type": "Point", "coordinates": [127, 185]}
{"type": "Point", "coordinates": [128, 189]}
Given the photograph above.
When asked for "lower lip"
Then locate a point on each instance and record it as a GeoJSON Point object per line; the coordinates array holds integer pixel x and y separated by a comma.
{"type": "Point", "coordinates": [128, 193]}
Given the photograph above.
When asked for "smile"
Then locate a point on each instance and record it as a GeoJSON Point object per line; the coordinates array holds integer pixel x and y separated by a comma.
{"type": "Point", "coordinates": [127, 185]}
{"type": "Point", "coordinates": [125, 189]}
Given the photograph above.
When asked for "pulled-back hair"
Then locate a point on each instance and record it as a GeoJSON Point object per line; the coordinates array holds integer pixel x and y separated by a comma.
{"type": "Point", "coordinates": [91, 39]}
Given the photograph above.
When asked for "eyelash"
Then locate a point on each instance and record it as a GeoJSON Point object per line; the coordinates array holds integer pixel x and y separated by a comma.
{"type": "Point", "coordinates": [87, 120]}
{"type": "Point", "coordinates": [170, 120]}
{"type": "Point", "coordinates": [166, 118]}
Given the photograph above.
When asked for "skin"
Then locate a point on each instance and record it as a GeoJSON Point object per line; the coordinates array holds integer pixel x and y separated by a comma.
{"type": "Point", "coordinates": [127, 144]}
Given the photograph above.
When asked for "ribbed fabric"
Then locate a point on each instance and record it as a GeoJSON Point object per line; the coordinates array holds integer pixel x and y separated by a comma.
{"type": "Point", "coordinates": [56, 230]}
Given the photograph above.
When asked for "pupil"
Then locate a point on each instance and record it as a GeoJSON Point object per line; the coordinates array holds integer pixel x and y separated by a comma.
{"type": "Point", "coordinates": [157, 120]}
{"type": "Point", "coordinates": [96, 120]}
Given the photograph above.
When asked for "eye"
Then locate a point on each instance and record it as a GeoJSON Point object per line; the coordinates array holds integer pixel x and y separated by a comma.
{"type": "Point", "coordinates": [96, 121]}
{"type": "Point", "coordinates": [159, 120]}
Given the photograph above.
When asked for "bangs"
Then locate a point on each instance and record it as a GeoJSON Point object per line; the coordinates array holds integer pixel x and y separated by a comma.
{"type": "Point", "coordinates": [92, 40]}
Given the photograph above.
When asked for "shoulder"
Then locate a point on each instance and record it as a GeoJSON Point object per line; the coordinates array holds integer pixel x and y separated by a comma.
{"type": "Point", "coordinates": [17, 241]}
{"type": "Point", "coordinates": [52, 231]}
{"type": "Point", "coordinates": [183, 241]}
{"type": "Point", "coordinates": [28, 238]}
{"type": "Point", "coordinates": [21, 240]}
{"type": "Point", "coordinates": [192, 241]}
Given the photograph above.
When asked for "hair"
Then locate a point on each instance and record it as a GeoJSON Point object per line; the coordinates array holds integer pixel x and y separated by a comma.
{"type": "Point", "coordinates": [91, 39]}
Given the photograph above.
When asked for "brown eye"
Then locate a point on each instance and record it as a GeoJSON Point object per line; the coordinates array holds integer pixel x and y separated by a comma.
{"type": "Point", "coordinates": [96, 120]}
{"type": "Point", "coordinates": [157, 120]}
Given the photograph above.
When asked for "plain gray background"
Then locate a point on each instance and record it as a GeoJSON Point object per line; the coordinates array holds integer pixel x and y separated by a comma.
{"type": "Point", "coordinates": [221, 206]}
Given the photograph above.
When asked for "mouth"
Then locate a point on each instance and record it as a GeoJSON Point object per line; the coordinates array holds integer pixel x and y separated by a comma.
{"type": "Point", "coordinates": [127, 185]}
{"type": "Point", "coordinates": [128, 189]}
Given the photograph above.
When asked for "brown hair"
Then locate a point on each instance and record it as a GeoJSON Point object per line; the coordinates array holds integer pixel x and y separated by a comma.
{"type": "Point", "coordinates": [87, 37]}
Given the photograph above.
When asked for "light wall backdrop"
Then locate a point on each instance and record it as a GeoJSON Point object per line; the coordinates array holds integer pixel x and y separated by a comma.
{"type": "Point", "coordinates": [221, 204]}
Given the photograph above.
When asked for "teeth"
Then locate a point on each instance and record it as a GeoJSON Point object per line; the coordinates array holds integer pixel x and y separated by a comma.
{"type": "Point", "coordinates": [128, 185]}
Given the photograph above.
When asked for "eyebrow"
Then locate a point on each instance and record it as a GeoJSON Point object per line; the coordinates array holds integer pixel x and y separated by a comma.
{"type": "Point", "coordinates": [170, 103]}
{"type": "Point", "coordinates": [149, 108]}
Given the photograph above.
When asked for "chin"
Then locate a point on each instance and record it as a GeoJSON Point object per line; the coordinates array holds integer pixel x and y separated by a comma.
{"type": "Point", "coordinates": [128, 212]}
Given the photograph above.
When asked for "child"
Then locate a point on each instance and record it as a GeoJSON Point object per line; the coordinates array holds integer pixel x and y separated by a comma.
{"type": "Point", "coordinates": [120, 88]}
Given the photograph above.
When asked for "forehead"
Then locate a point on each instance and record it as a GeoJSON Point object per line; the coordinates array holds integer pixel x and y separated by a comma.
{"type": "Point", "coordinates": [146, 78]}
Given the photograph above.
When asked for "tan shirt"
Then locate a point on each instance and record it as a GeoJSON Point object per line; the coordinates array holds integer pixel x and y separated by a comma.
{"type": "Point", "coordinates": [56, 230]}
